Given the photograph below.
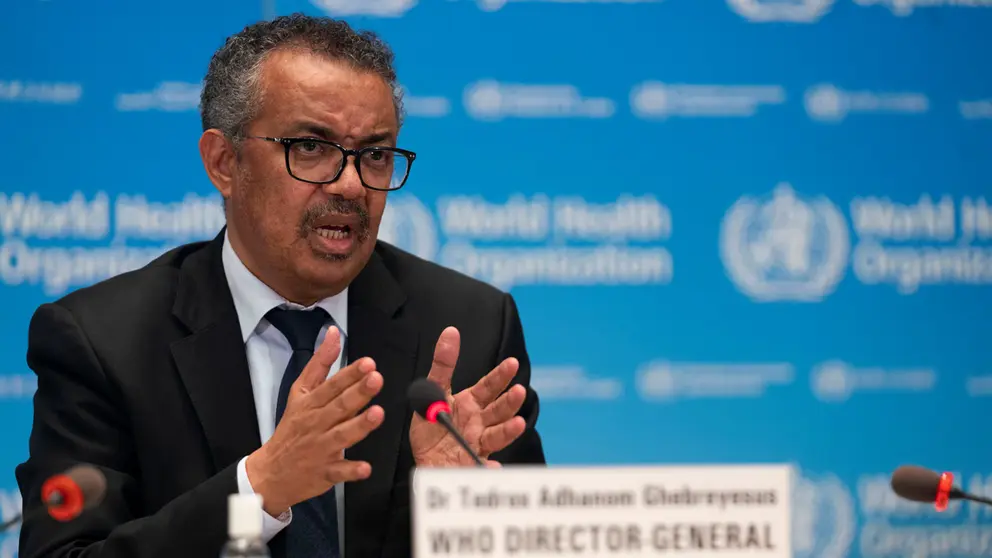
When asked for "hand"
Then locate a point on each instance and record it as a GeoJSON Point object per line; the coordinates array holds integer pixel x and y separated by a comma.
{"type": "Point", "coordinates": [485, 418]}
{"type": "Point", "coordinates": [305, 456]}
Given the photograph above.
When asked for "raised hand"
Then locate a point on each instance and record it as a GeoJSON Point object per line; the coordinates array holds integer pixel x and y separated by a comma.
{"type": "Point", "coordinates": [305, 456]}
{"type": "Point", "coordinates": [485, 418]}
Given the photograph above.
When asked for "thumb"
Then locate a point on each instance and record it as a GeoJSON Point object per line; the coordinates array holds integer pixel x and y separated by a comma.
{"type": "Point", "coordinates": [315, 372]}
{"type": "Point", "coordinates": [445, 357]}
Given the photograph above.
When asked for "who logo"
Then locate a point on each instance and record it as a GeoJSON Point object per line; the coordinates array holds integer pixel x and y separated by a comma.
{"type": "Point", "coordinates": [377, 8]}
{"type": "Point", "coordinates": [784, 247]}
{"type": "Point", "coordinates": [823, 518]}
{"type": "Point", "coordinates": [409, 225]}
{"type": "Point", "coordinates": [791, 11]}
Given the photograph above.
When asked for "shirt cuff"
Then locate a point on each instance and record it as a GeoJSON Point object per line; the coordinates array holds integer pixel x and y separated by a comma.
{"type": "Point", "coordinates": [270, 525]}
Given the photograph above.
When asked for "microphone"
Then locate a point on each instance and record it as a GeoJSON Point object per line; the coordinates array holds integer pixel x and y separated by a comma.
{"type": "Point", "coordinates": [919, 484]}
{"type": "Point", "coordinates": [430, 403]}
{"type": "Point", "coordinates": [68, 494]}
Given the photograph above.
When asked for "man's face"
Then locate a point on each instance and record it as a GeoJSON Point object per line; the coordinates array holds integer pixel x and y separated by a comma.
{"type": "Point", "coordinates": [309, 241]}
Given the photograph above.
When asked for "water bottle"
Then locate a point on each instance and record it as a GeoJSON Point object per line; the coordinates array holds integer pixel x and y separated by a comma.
{"type": "Point", "coordinates": [244, 528]}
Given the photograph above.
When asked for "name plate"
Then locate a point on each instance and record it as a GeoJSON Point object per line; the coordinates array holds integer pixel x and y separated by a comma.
{"type": "Point", "coordinates": [699, 511]}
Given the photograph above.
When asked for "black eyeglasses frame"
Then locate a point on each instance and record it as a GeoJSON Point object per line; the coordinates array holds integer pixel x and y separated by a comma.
{"type": "Point", "coordinates": [288, 143]}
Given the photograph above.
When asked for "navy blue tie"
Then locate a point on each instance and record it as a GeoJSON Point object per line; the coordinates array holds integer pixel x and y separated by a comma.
{"type": "Point", "coordinates": [313, 533]}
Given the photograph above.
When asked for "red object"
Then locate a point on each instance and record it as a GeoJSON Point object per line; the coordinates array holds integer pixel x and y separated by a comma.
{"type": "Point", "coordinates": [435, 408]}
{"type": "Point", "coordinates": [72, 497]}
{"type": "Point", "coordinates": [944, 491]}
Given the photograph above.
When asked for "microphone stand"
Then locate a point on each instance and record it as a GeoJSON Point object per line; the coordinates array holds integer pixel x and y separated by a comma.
{"type": "Point", "coordinates": [55, 499]}
{"type": "Point", "coordinates": [445, 420]}
{"type": "Point", "coordinates": [11, 522]}
{"type": "Point", "coordinates": [975, 498]}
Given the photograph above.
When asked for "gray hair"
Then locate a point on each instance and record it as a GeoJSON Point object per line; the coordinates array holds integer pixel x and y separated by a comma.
{"type": "Point", "coordinates": [232, 95]}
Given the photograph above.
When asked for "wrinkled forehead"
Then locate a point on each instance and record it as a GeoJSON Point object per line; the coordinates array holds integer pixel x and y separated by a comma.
{"type": "Point", "coordinates": [300, 88]}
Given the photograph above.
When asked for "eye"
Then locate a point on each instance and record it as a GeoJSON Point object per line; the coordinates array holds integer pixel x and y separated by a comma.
{"type": "Point", "coordinates": [308, 147]}
{"type": "Point", "coordinates": [377, 158]}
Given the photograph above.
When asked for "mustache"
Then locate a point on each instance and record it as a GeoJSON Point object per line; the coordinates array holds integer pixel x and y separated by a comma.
{"type": "Point", "coordinates": [336, 206]}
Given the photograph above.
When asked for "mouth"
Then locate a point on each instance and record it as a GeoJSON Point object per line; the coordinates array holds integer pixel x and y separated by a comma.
{"type": "Point", "coordinates": [336, 236]}
{"type": "Point", "coordinates": [335, 229]}
{"type": "Point", "coordinates": [334, 232]}
{"type": "Point", "coordinates": [333, 242]}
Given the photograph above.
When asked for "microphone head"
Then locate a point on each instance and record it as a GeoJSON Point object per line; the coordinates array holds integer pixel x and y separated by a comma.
{"type": "Point", "coordinates": [428, 399]}
{"type": "Point", "coordinates": [916, 483]}
{"type": "Point", "coordinates": [68, 494]}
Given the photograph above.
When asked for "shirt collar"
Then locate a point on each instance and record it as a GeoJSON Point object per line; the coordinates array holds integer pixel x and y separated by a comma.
{"type": "Point", "coordinates": [253, 298]}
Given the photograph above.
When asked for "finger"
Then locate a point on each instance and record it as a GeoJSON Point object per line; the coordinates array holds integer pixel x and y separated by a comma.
{"type": "Point", "coordinates": [353, 399]}
{"type": "Point", "coordinates": [346, 377]}
{"type": "Point", "coordinates": [346, 471]}
{"type": "Point", "coordinates": [486, 390]}
{"type": "Point", "coordinates": [445, 358]}
{"type": "Point", "coordinates": [323, 358]}
{"type": "Point", "coordinates": [498, 437]}
{"type": "Point", "coordinates": [493, 464]}
{"type": "Point", "coordinates": [355, 429]}
{"type": "Point", "coordinates": [505, 406]}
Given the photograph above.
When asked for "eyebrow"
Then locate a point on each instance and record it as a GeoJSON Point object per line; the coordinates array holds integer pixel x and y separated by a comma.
{"type": "Point", "coordinates": [326, 133]}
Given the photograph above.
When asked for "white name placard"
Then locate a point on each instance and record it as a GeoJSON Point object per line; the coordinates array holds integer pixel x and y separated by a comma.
{"type": "Point", "coordinates": [520, 511]}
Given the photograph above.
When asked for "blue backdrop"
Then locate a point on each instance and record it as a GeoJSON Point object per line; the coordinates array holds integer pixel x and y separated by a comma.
{"type": "Point", "coordinates": [737, 230]}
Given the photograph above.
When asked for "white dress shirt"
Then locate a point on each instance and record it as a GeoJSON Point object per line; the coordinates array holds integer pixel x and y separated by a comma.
{"type": "Point", "coordinates": [268, 353]}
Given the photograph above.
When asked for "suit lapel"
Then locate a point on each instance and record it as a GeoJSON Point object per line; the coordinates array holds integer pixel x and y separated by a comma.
{"type": "Point", "coordinates": [378, 329]}
{"type": "Point", "coordinates": [212, 361]}
{"type": "Point", "coordinates": [213, 366]}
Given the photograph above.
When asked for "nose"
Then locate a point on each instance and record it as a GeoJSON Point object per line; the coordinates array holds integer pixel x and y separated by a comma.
{"type": "Point", "coordinates": [349, 184]}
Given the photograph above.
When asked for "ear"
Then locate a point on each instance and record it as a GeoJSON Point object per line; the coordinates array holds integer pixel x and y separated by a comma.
{"type": "Point", "coordinates": [219, 160]}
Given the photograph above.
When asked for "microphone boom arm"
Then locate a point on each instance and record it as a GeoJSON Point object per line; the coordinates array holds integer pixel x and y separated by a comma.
{"type": "Point", "coordinates": [11, 522]}
{"type": "Point", "coordinates": [974, 498]}
{"type": "Point", "coordinates": [445, 419]}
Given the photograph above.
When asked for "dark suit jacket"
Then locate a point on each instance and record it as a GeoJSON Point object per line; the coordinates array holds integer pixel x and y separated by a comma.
{"type": "Point", "coordinates": [145, 376]}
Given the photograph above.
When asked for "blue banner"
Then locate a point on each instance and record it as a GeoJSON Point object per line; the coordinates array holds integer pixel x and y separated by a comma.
{"type": "Point", "coordinates": [737, 230]}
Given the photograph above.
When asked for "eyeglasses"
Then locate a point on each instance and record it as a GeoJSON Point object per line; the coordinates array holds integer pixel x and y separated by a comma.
{"type": "Point", "coordinates": [321, 162]}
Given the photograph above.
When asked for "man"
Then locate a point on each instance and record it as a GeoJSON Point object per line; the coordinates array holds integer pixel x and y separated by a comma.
{"type": "Point", "coordinates": [275, 359]}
